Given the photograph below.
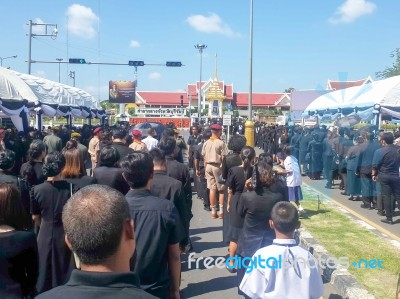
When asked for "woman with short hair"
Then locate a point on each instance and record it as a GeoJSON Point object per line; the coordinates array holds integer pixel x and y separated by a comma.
{"type": "Point", "coordinates": [18, 247]}
{"type": "Point", "coordinates": [74, 171]}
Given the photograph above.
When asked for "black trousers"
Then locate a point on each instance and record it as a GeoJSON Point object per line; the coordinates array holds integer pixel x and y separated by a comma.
{"type": "Point", "coordinates": [366, 187]}
{"type": "Point", "coordinates": [328, 169]}
{"type": "Point", "coordinates": [390, 188]}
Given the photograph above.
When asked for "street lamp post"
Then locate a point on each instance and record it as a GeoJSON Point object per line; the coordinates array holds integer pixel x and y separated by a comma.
{"type": "Point", "coordinates": [249, 125]}
{"type": "Point", "coordinates": [4, 58]}
{"type": "Point", "coordinates": [59, 68]}
{"type": "Point", "coordinates": [47, 28]}
{"type": "Point", "coordinates": [200, 47]}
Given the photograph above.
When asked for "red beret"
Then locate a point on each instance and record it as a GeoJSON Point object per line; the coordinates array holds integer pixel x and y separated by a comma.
{"type": "Point", "coordinates": [136, 133]}
{"type": "Point", "coordinates": [97, 130]}
{"type": "Point", "coordinates": [216, 127]}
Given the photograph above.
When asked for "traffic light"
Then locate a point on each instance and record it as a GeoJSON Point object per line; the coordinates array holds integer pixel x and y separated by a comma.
{"type": "Point", "coordinates": [136, 63]}
{"type": "Point", "coordinates": [173, 63]}
{"type": "Point", "coordinates": [77, 60]}
{"type": "Point", "coordinates": [181, 101]}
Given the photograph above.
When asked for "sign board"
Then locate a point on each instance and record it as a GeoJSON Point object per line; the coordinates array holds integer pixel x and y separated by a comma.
{"type": "Point", "coordinates": [122, 92]}
{"type": "Point", "coordinates": [227, 120]}
{"type": "Point", "coordinates": [168, 112]}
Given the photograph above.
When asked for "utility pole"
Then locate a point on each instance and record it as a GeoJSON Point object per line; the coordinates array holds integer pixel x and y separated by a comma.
{"type": "Point", "coordinates": [59, 68]}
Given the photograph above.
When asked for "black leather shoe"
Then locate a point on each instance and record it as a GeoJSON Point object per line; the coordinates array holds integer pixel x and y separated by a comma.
{"type": "Point", "coordinates": [343, 193]}
{"type": "Point", "coordinates": [231, 270]}
{"type": "Point", "coordinates": [365, 206]}
{"type": "Point", "coordinates": [381, 213]}
{"type": "Point", "coordinates": [207, 208]}
{"type": "Point", "coordinates": [387, 221]}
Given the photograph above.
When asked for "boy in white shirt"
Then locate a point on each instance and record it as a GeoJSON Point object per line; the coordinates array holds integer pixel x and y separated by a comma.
{"type": "Point", "coordinates": [291, 272]}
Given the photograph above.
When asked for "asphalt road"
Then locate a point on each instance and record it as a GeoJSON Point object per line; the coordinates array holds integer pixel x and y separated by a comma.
{"type": "Point", "coordinates": [206, 236]}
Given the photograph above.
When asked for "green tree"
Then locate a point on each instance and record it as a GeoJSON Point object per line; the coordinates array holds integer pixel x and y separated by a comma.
{"type": "Point", "coordinates": [289, 90]}
{"type": "Point", "coordinates": [393, 70]}
{"type": "Point", "coordinates": [106, 105]}
{"type": "Point", "coordinates": [131, 111]}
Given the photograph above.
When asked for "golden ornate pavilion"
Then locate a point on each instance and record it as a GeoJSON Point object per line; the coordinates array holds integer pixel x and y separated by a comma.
{"type": "Point", "coordinates": [215, 96]}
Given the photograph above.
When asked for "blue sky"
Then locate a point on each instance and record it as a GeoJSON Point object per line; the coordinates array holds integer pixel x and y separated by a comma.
{"type": "Point", "coordinates": [297, 44]}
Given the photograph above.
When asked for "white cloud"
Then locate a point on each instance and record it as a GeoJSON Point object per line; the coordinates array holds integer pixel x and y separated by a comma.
{"type": "Point", "coordinates": [155, 76]}
{"type": "Point", "coordinates": [134, 44]}
{"type": "Point", "coordinates": [81, 21]}
{"type": "Point", "coordinates": [351, 10]}
{"type": "Point", "coordinates": [211, 24]}
{"type": "Point", "coordinates": [38, 29]}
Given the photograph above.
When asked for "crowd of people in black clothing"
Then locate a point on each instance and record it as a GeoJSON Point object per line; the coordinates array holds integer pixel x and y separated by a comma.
{"type": "Point", "coordinates": [42, 172]}
{"type": "Point", "coordinates": [365, 161]}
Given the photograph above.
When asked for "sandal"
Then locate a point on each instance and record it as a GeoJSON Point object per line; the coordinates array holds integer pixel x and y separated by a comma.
{"type": "Point", "coordinates": [220, 215]}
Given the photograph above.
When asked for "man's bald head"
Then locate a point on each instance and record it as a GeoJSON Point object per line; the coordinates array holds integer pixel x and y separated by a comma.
{"type": "Point", "coordinates": [93, 220]}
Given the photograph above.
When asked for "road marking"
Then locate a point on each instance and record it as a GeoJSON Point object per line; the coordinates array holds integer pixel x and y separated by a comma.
{"type": "Point", "coordinates": [351, 211]}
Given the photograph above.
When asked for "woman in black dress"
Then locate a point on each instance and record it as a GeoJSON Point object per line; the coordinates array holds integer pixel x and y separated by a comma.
{"type": "Point", "coordinates": [255, 207]}
{"type": "Point", "coordinates": [74, 171]}
{"type": "Point", "coordinates": [7, 161]}
{"type": "Point", "coordinates": [235, 145]}
{"type": "Point", "coordinates": [18, 247]}
{"type": "Point", "coordinates": [315, 149]}
{"type": "Point", "coordinates": [55, 259]}
{"type": "Point", "coordinates": [31, 172]}
{"type": "Point", "coordinates": [235, 183]}
{"type": "Point", "coordinates": [108, 173]}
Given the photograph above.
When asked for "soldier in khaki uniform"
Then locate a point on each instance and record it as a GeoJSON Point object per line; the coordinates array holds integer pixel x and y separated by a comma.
{"type": "Point", "coordinates": [138, 144]}
{"type": "Point", "coordinates": [93, 144]}
{"type": "Point", "coordinates": [214, 151]}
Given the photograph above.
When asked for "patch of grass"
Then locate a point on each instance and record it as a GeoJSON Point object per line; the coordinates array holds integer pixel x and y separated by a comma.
{"type": "Point", "coordinates": [341, 236]}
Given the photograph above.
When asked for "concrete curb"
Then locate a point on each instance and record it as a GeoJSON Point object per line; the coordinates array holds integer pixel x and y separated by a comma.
{"type": "Point", "coordinates": [341, 279]}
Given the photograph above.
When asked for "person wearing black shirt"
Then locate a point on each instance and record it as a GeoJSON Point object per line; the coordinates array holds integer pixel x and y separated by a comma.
{"type": "Point", "coordinates": [108, 173]}
{"type": "Point", "coordinates": [157, 232]}
{"type": "Point", "coordinates": [7, 160]}
{"type": "Point", "coordinates": [18, 247]}
{"type": "Point", "coordinates": [255, 207]}
{"type": "Point", "coordinates": [100, 231]}
{"type": "Point", "coordinates": [178, 171]}
{"type": "Point", "coordinates": [199, 170]}
{"type": "Point", "coordinates": [119, 142]}
{"type": "Point", "coordinates": [235, 145]}
{"type": "Point", "coordinates": [385, 169]}
{"type": "Point", "coordinates": [364, 169]}
{"type": "Point", "coordinates": [55, 259]}
{"type": "Point", "coordinates": [169, 188]}
{"type": "Point", "coordinates": [193, 140]}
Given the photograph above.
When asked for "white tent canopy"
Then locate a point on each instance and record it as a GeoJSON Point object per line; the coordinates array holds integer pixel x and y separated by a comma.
{"type": "Point", "coordinates": [22, 93]}
{"type": "Point", "coordinates": [13, 88]}
{"type": "Point", "coordinates": [18, 86]}
{"type": "Point", "coordinates": [385, 92]}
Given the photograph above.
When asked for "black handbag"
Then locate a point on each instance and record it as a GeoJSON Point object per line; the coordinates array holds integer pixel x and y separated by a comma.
{"type": "Point", "coordinates": [221, 180]}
